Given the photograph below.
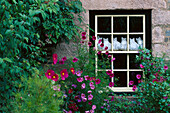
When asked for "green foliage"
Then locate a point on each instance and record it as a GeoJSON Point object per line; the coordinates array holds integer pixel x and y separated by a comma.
{"type": "Point", "coordinates": [153, 93]}
{"type": "Point", "coordinates": [26, 28]}
{"type": "Point", "coordinates": [36, 95]}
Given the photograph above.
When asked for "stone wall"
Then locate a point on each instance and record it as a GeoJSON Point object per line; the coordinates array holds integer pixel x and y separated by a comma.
{"type": "Point", "coordinates": [160, 21]}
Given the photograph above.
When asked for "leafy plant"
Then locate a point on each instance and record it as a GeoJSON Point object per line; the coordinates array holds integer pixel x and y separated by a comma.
{"type": "Point", "coordinates": [37, 95]}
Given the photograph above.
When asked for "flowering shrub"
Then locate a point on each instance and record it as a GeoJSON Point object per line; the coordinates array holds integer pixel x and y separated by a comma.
{"type": "Point", "coordinates": [83, 90]}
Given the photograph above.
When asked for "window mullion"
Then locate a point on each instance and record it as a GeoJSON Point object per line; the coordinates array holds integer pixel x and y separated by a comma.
{"type": "Point", "coordinates": [128, 50]}
{"type": "Point", "coordinates": [96, 44]}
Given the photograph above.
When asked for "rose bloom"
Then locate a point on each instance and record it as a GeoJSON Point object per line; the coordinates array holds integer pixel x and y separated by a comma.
{"type": "Point", "coordinates": [138, 76]}
{"type": "Point", "coordinates": [107, 52]}
{"type": "Point", "coordinates": [90, 97]}
{"type": "Point", "coordinates": [83, 33]}
{"type": "Point", "coordinates": [72, 70]}
{"type": "Point", "coordinates": [89, 91]}
{"type": "Point", "coordinates": [83, 86]}
{"type": "Point", "coordinates": [99, 52]}
{"type": "Point", "coordinates": [75, 59]}
{"type": "Point", "coordinates": [92, 87]}
{"type": "Point", "coordinates": [64, 58]}
{"type": "Point", "coordinates": [165, 67]}
{"type": "Point", "coordinates": [101, 45]}
{"type": "Point", "coordinates": [111, 84]}
{"type": "Point", "coordinates": [98, 81]}
{"type": "Point", "coordinates": [86, 77]}
{"type": "Point", "coordinates": [93, 38]}
{"type": "Point", "coordinates": [84, 99]}
{"type": "Point", "coordinates": [94, 107]}
{"type": "Point", "coordinates": [91, 83]}
{"type": "Point", "coordinates": [55, 58]}
{"type": "Point", "coordinates": [83, 95]}
{"type": "Point", "coordinates": [78, 73]}
{"type": "Point", "coordinates": [131, 82]}
{"type": "Point", "coordinates": [134, 88]}
{"type": "Point", "coordinates": [89, 43]}
{"type": "Point", "coordinates": [49, 73]}
{"type": "Point", "coordinates": [54, 77]}
{"type": "Point", "coordinates": [141, 66]}
{"type": "Point", "coordinates": [80, 79]}
{"type": "Point", "coordinates": [109, 72]}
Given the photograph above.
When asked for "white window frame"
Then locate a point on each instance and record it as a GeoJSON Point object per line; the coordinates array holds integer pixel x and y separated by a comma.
{"type": "Point", "coordinates": [119, 89]}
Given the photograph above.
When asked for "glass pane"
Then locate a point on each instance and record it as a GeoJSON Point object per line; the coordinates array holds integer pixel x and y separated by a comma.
{"type": "Point", "coordinates": [119, 42]}
{"type": "Point", "coordinates": [106, 40]}
{"type": "Point", "coordinates": [135, 24]}
{"type": "Point", "coordinates": [132, 61]}
{"type": "Point", "coordinates": [119, 24]}
{"type": "Point", "coordinates": [132, 77]}
{"type": "Point", "coordinates": [104, 24]}
{"type": "Point", "coordinates": [103, 62]}
{"type": "Point", "coordinates": [120, 62]}
{"type": "Point", "coordinates": [120, 79]}
{"type": "Point", "coordinates": [135, 41]}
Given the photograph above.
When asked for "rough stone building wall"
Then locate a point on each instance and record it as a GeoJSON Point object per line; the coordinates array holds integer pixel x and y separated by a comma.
{"type": "Point", "coordinates": [160, 19]}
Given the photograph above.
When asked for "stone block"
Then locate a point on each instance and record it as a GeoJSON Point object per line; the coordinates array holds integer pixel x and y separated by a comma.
{"type": "Point", "coordinates": [157, 35]}
{"type": "Point", "coordinates": [123, 4]}
{"type": "Point", "coordinates": [160, 17]}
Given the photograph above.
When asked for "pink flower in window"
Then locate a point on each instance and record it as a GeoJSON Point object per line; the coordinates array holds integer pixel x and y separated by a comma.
{"type": "Point", "coordinates": [113, 59]}
{"type": "Point", "coordinates": [111, 84]}
{"type": "Point", "coordinates": [93, 38]}
{"type": "Point", "coordinates": [111, 75]}
{"type": "Point", "coordinates": [107, 52]}
{"type": "Point", "coordinates": [100, 40]}
{"type": "Point", "coordinates": [109, 72]}
{"type": "Point", "coordinates": [99, 52]}
{"type": "Point", "coordinates": [89, 43]}
{"type": "Point", "coordinates": [131, 82]}
{"type": "Point", "coordinates": [138, 76]}
{"type": "Point", "coordinates": [106, 48]}
{"type": "Point", "coordinates": [134, 88]}
{"type": "Point", "coordinates": [61, 62]}
{"type": "Point", "coordinates": [101, 45]}
{"type": "Point", "coordinates": [141, 66]}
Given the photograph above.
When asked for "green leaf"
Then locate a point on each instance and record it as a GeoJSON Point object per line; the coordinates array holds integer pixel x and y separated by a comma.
{"type": "Point", "coordinates": [54, 40]}
{"type": "Point", "coordinates": [7, 59]}
{"type": "Point", "coordinates": [1, 36]}
{"type": "Point", "coordinates": [1, 60]}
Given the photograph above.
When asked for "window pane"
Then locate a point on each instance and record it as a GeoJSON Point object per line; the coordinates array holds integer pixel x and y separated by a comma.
{"type": "Point", "coordinates": [135, 24]}
{"type": "Point", "coordinates": [119, 42]}
{"type": "Point", "coordinates": [103, 62]}
{"type": "Point", "coordinates": [132, 63]}
{"type": "Point", "coordinates": [135, 41]}
{"type": "Point", "coordinates": [104, 24]}
{"type": "Point", "coordinates": [106, 40]}
{"type": "Point", "coordinates": [120, 79]}
{"type": "Point", "coordinates": [119, 24]}
{"type": "Point", "coordinates": [120, 62]}
{"type": "Point", "coordinates": [132, 77]}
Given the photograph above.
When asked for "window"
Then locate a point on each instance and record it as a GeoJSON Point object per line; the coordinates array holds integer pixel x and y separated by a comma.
{"type": "Point", "coordinates": [122, 32]}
